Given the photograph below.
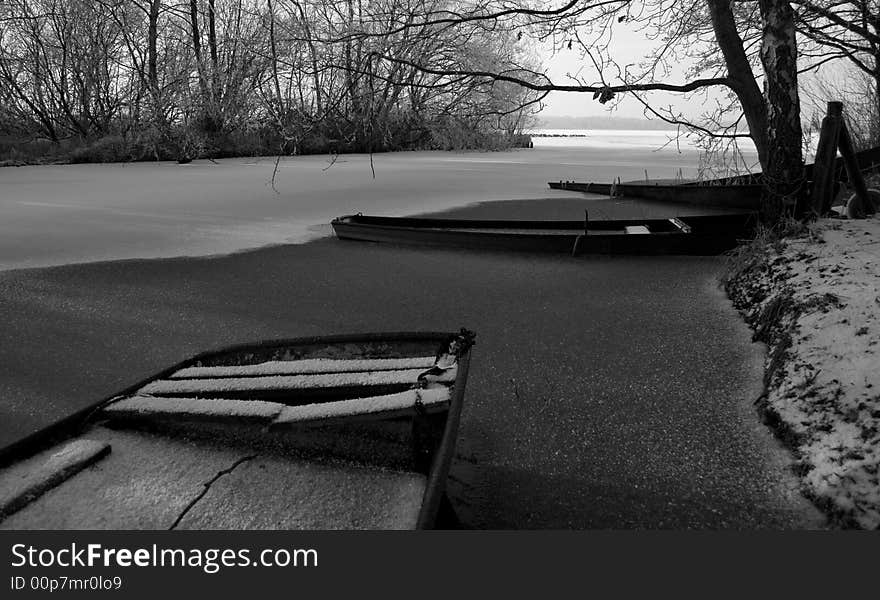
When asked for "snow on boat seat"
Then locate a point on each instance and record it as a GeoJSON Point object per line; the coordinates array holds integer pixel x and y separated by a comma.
{"type": "Point", "coordinates": [26, 481]}
{"type": "Point", "coordinates": [681, 225]}
{"type": "Point", "coordinates": [377, 407]}
{"type": "Point", "coordinates": [637, 229]}
{"type": "Point", "coordinates": [310, 366]}
{"type": "Point", "coordinates": [139, 407]}
{"type": "Point", "coordinates": [290, 385]}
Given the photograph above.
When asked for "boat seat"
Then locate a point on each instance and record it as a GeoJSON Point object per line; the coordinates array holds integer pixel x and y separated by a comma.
{"type": "Point", "coordinates": [681, 225]}
{"type": "Point", "coordinates": [151, 408]}
{"type": "Point", "coordinates": [377, 407]}
{"type": "Point", "coordinates": [297, 389]}
{"type": "Point", "coordinates": [261, 413]}
{"type": "Point", "coordinates": [637, 229]}
{"type": "Point", "coordinates": [26, 481]}
{"type": "Point", "coordinates": [312, 366]}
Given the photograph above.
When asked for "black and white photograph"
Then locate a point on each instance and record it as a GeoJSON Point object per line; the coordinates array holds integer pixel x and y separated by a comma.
{"type": "Point", "coordinates": [578, 265]}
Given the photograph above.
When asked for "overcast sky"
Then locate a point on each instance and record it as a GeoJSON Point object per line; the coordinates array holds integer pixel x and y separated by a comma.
{"type": "Point", "coordinates": [629, 47]}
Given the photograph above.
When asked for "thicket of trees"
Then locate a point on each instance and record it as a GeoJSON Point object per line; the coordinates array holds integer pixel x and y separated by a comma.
{"type": "Point", "coordinates": [138, 79]}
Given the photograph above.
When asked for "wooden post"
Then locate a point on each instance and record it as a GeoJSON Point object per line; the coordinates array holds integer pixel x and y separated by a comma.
{"type": "Point", "coordinates": [826, 152]}
{"type": "Point", "coordinates": [613, 191]}
{"type": "Point", "coordinates": [578, 239]}
{"type": "Point", "coordinates": [864, 203]}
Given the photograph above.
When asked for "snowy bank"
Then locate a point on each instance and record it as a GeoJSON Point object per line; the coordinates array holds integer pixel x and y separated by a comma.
{"type": "Point", "coordinates": [814, 300]}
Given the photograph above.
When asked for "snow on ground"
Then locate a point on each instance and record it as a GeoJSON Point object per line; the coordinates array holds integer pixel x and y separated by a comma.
{"type": "Point", "coordinates": [815, 300]}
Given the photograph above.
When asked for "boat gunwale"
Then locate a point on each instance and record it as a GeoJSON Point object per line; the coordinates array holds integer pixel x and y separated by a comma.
{"type": "Point", "coordinates": [707, 235]}
{"type": "Point", "coordinates": [438, 472]}
{"type": "Point", "coordinates": [445, 224]}
{"type": "Point", "coordinates": [601, 188]}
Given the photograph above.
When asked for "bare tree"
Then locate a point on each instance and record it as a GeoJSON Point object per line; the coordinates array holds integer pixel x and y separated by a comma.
{"type": "Point", "coordinates": [171, 78]}
{"type": "Point", "coordinates": [728, 59]}
{"type": "Point", "coordinates": [59, 65]}
{"type": "Point", "coordinates": [847, 32]}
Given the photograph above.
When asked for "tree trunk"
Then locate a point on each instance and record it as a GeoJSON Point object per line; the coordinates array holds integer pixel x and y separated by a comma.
{"type": "Point", "coordinates": [212, 46]}
{"type": "Point", "coordinates": [875, 121]}
{"type": "Point", "coordinates": [784, 171]}
{"type": "Point", "coordinates": [273, 48]}
{"type": "Point", "coordinates": [152, 42]}
{"type": "Point", "coordinates": [197, 47]}
{"type": "Point", "coordinates": [740, 72]}
{"type": "Point", "coordinates": [313, 55]}
{"type": "Point", "coordinates": [350, 81]}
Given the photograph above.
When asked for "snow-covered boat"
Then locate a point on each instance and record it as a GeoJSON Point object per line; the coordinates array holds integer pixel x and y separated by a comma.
{"type": "Point", "coordinates": [338, 432]}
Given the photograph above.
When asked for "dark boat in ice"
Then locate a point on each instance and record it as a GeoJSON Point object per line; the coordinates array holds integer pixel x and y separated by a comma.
{"type": "Point", "coordinates": [700, 235]}
{"type": "Point", "coordinates": [740, 196]}
{"type": "Point", "coordinates": [338, 432]}
{"type": "Point", "coordinates": [739, 192]}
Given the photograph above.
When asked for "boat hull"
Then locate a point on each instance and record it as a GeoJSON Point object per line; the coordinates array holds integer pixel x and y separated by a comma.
{"type": "Point", "coordinates": [708, 235]}
{"type": "Point", "coordinates": [735, 197]}
{"type": "Point", "coordinates": [739, 192]}
{"type": "Point", "coordinates": [384, 450]}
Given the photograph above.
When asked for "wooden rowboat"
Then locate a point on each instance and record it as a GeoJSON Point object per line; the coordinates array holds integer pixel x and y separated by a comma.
{"type": "Point", "coordinates": [702, 235]}
{"type": "Point", "coordinates": [732, 196]}
{"type": "Point", "coordinates": [739, 192]}
{"type": "Point", "coordinates": [339, 432]}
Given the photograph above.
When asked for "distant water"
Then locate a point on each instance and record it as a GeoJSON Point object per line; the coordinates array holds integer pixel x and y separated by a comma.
{"type": "Point", "coordinates": [644, 139]}
{"type": "Point", "coordinates": [620, 139]}
{"type": "Point", "coordinates": [609, 138]}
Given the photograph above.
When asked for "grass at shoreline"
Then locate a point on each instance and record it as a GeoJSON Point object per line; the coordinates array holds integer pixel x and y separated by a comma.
{"type": "Point", "coordinates": [811, 297]}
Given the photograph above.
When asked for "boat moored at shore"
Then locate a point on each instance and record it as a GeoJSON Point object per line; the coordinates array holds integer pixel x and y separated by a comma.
{"type": "Point", "coordinates": [336, 432]}
{"type": "Point", "coordinates": [745, 197]}
{"type": "Point", "coordinates": [701, 235]}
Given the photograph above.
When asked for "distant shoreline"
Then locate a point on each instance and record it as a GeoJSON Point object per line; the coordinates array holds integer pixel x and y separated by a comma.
{"type": "Point", "coordinates": [570, 122]}
{"type": "Point", "coordinates": [559, 135]}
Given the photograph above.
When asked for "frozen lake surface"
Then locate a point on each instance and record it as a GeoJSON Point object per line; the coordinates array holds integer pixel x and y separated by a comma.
{"type": "Point", "coordinates": [596, 398]}
{"type": "Point", "coordinates": [63, 214]}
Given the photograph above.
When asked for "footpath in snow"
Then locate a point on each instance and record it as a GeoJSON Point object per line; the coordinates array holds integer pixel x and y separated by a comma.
{"type": "Point", "coordinates": [814, 300]}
